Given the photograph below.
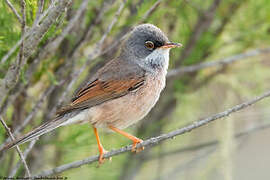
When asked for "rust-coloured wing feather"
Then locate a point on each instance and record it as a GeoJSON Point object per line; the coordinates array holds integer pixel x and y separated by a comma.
{"type": "Point", "coordinates": [99, 91]}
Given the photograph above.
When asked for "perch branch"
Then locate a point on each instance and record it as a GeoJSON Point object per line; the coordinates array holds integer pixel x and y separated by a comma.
{"type": "Point", "coordinates": [156, 140]}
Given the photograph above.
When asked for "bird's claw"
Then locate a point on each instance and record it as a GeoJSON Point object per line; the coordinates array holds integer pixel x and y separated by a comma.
{"type": "Point", "coordinates": [134, 148]}
{"type": "Point", "coordinates": [101, 158]}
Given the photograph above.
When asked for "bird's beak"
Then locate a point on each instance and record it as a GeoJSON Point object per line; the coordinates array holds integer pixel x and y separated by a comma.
{"type": "Point", "coordinates": [171, 45]}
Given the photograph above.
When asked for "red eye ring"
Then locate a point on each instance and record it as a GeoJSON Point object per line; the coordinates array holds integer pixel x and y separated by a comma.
{"type": "Point", "coordinates": [149, 45]}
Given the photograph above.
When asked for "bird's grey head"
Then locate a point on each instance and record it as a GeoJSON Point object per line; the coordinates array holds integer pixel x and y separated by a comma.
{"type": "Point", "coordinates": [148, 46]}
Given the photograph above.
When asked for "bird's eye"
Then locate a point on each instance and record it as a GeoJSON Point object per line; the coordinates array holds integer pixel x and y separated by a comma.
{"type": "Point", "coordinates": [149, 45]}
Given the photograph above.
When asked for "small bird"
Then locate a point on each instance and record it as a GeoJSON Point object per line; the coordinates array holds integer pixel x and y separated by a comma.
{"type": "Point", "coordinates": [121, 93]}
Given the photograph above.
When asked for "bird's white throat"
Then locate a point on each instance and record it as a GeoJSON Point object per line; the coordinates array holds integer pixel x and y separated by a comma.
{"type": "Point", "coordinates": [158, 59]}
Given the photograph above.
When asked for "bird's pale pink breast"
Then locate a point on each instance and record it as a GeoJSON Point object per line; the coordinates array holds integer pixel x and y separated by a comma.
{"type": "Point", "coordinates": [129, 109]}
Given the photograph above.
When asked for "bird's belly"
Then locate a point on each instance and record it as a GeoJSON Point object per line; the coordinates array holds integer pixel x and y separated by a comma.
{"type": "Point", "coordinates": [123, 112]}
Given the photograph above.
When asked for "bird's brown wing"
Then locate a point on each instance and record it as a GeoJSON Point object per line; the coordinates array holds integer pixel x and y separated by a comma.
{"type": "Point", "coordinates": [104, 89]}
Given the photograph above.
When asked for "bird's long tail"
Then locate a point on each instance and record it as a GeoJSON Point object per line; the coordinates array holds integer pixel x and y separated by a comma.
{"type": "Point", "coordinates": [44, 128]}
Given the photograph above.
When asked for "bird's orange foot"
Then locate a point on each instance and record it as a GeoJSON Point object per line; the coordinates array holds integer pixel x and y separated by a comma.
{"type": "Point", "coordinates": [135, 142]}
{"type": "Point", "coordinates": [129, 136]}
{"type": "Point", "coordinates": [101, 158]}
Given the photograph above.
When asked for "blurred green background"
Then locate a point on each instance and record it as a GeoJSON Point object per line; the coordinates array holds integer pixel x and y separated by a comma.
{"type": "Point", "coordinates": [209, 30]}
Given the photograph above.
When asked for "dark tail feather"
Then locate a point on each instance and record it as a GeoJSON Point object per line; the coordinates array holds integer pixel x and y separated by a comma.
{"type": "Point", "coordinates": [44, 128]}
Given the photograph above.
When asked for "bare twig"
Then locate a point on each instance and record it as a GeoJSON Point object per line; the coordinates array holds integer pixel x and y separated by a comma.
{"type": "Point", "coordinates": [25, 154]}
{"type": "Point", "coordinates": [151, 10]}
{"type": "Point", "coordinates": [208, 144]}
{"type": "Point", "coordinates": [14, 10]}
{"type": "Point", "coordinates": [156, 140]}
{"type": "Point", "coordinates": [194, 6]}
{"type": "Point", "coordinates": [217, 63]}
{"type": "Point", "coordinates": [13, 49]}
{"type": "Point", "coordinates": [39, 11]}
{"type": "Point", "coordinates": [17, 147]}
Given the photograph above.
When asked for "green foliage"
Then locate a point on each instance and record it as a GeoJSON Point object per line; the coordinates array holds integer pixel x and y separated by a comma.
{"type": "Point", "coordinates": [10, 29]}
{"type": "Point", "coordinates": [31, 9]}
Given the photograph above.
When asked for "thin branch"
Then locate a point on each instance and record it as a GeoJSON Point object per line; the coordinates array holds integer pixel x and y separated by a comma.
{"type": "Point", "coordinates": [39, 11]}
{"type": "Point", "coordinates": [151, 10]}
{"type": "Point", "coordinates": [194, 6]}
{"type": "Point", "coordinates": [201, 146]}
{"type": "Point", "coordinates": [156, 140]}
{"type": "Point", "coordinates": [13, 49]}
{"type": "Point", "coordinates": [217, 63]}
{"type": "Point", "coordinates": [17, 147]}
{"type": "Point", "coordinates": [14, 11]}
{"type": "Point", "coordinates": [25, 154]}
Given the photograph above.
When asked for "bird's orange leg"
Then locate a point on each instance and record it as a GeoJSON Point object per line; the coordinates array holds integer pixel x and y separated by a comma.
{"type": "Point", "coordinates": [101, 150]}
{"type": "Point", "coordinates": [129, 136]}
